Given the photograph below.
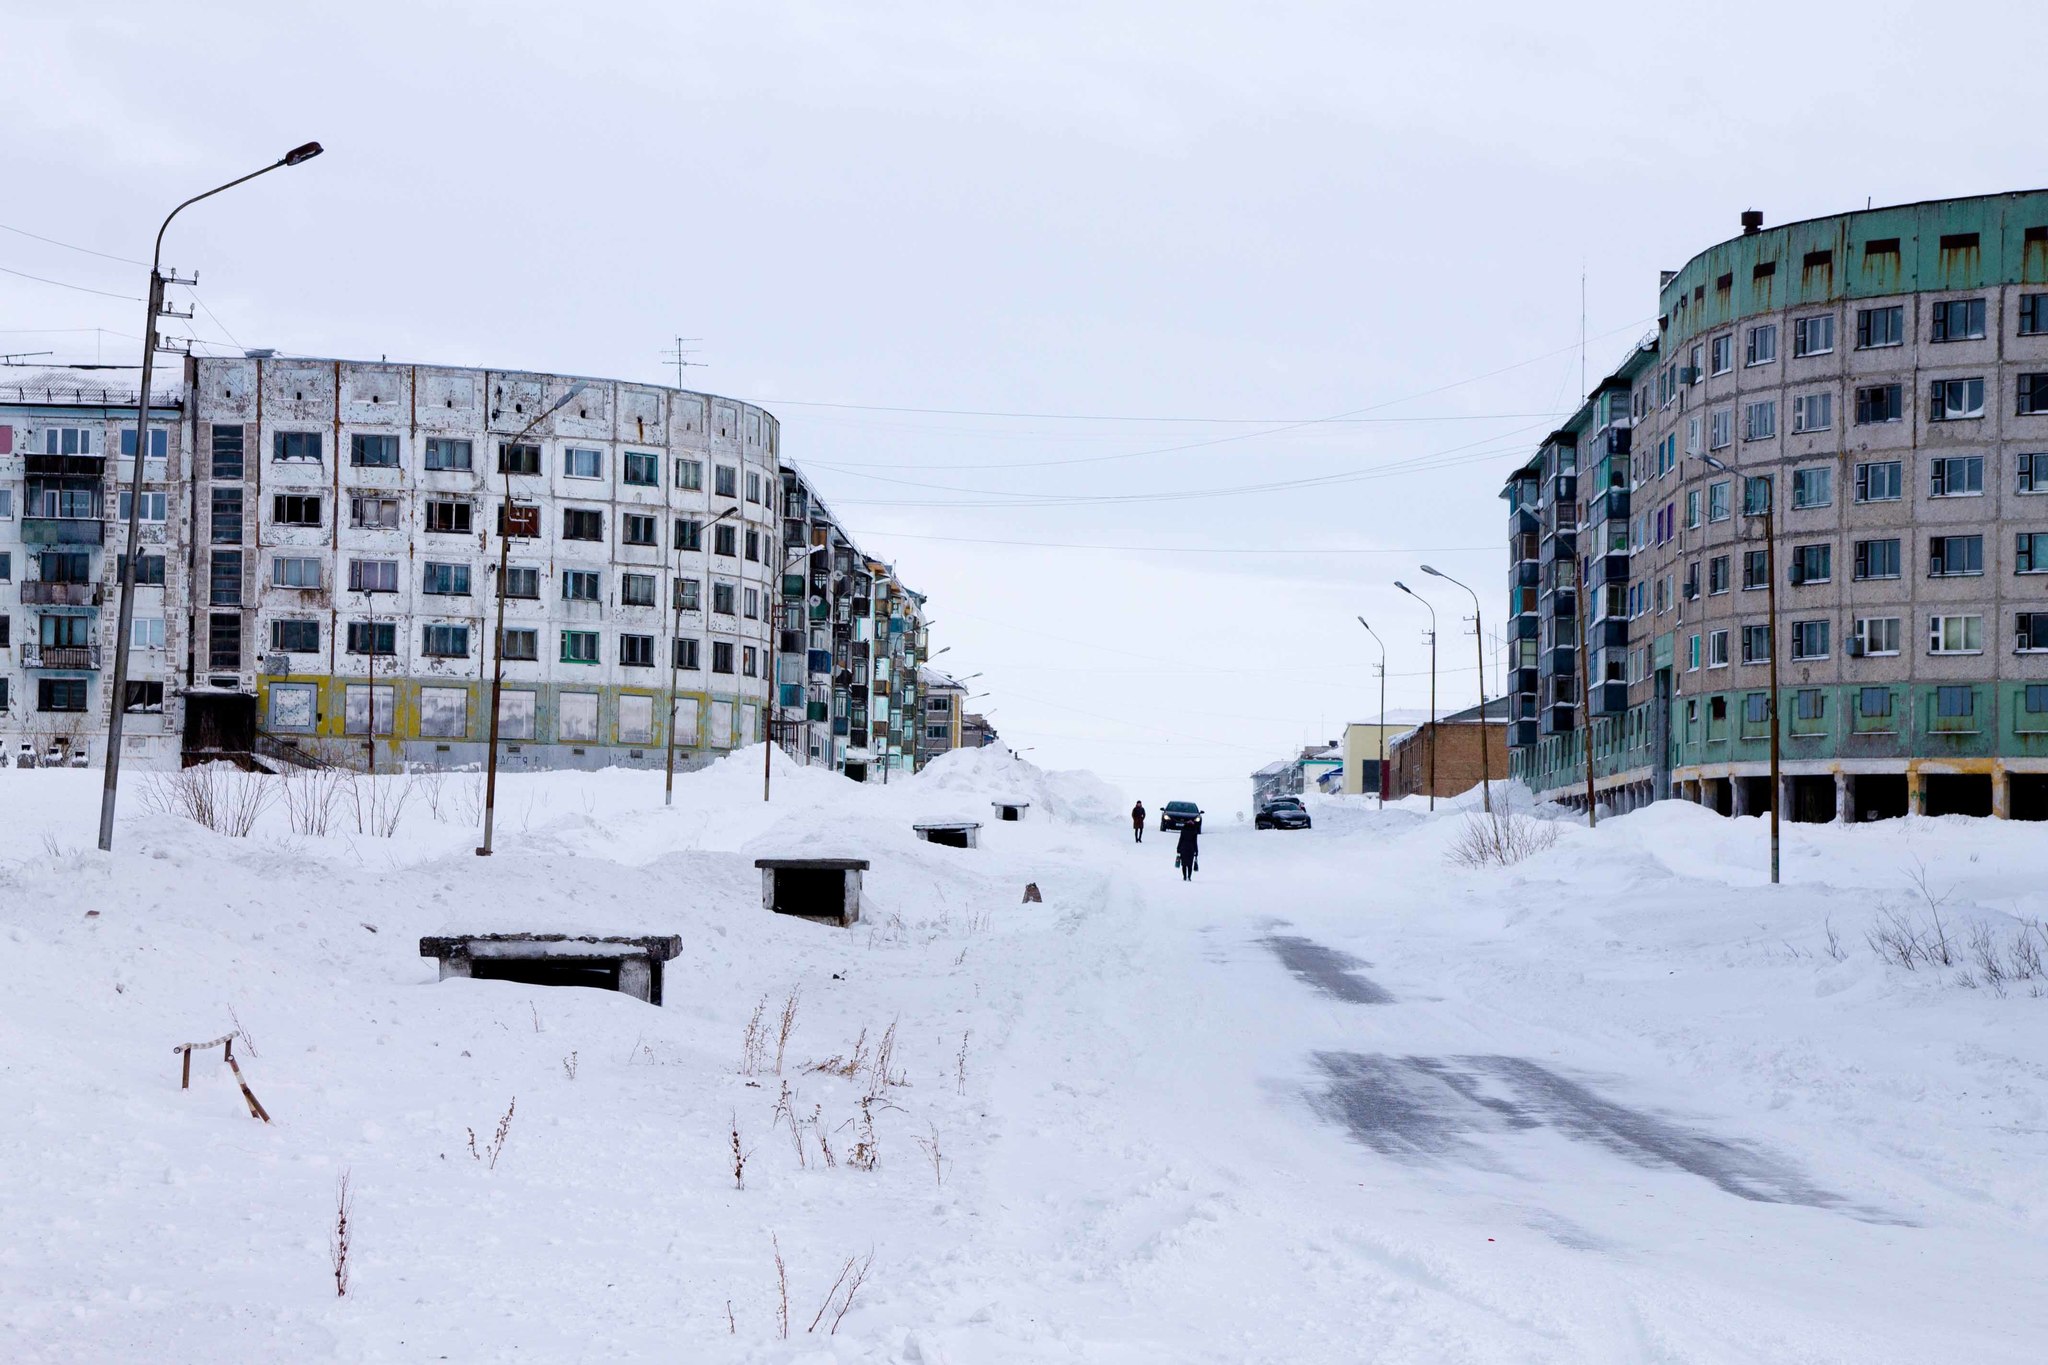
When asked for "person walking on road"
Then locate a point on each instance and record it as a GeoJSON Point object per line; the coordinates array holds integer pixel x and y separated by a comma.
{"type": "Point", "coordinates": [1138, 823]}
{"type": "Point", "coordinates": [1188, 849]}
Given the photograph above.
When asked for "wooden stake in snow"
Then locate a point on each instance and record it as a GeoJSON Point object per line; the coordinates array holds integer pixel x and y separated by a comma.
{"type": "Point", "coordinates": [226, 1042]}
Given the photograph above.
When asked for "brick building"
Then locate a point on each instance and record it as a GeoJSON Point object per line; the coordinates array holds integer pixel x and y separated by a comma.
{"type": "Point", "coordinates": [1458, 738]}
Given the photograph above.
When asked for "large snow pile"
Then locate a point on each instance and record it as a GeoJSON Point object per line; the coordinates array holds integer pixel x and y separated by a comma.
{"type": "Point", "coordinates": [1336, 1099]}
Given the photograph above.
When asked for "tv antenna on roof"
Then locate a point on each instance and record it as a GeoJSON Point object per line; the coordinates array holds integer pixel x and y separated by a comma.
{"type": "Point", "coordinates": [679, 357]}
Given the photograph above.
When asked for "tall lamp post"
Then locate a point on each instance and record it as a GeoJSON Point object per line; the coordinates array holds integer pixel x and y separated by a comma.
{"type": "Point", "coordinates": [118, 702]}
{"type": "Point", "coordinates": [1479, 640]}
{"type": "Point", "coordinates": [498, 651]}
{"type": "Point", "coordinates": [1431, 754]}
{"type": "Point", "coordinates": [1764, 512]}
{"type": "Point", "coordinates": [1382, 784]}
{"type": "Point", "coordinates": [675, 644]}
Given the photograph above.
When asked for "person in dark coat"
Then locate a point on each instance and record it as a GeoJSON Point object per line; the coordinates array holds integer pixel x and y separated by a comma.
{"type": "Point", "coordinates": [1188, 848]}
{"type": "Point", "coordinates": [1138, 822]}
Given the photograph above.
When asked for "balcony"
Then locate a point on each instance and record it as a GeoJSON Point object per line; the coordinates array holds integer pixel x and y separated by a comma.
{"type": "Point", "coordinates": [1613, 505]}
{"type": "Point", "coordinates": [1611, 633]}
{"type": "Point", "coordinates": [1522, 735]}
{"type": "Point", "coordinates": [62, 531]}
{"type": "Point", "coordinates": [1609, 568]}
{"type": "Point", "coordinates": [1610, 698]}
{"type": "Point", "coordinates": [1522, 680]}
{"type": "Point", "coordinates": [37, 593]}
{"type": "Point", "coordinates": [60, 656]}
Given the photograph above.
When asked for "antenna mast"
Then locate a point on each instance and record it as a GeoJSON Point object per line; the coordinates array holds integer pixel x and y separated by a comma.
{"type": "Point", "coordinates": [680, 358]}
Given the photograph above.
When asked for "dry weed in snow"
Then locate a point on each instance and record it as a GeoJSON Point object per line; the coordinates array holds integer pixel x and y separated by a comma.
{"type": "Point", "coordinates": [492, 1150]}
{"type": "Point", "coordinates": [338, 1241]}
{"type": "Point", "coordinates": [1500, 838]}
{"type": "Point", "coordinates": [787, 1027]}
{"type": "Point", "coordinates": [220, 796]}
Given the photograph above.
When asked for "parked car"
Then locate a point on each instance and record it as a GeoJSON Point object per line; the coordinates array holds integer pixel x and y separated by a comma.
{"type": "Point", "coordinates": [1174, 814]}
{"type": "Point", "coordinates": [1282, 812]}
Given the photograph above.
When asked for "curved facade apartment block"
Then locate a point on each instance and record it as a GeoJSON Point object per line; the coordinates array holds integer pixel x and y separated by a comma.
{"type": "Point", "coordinates": [346, 520]}
{"type": "Point", "coordinates": [1879, 382]}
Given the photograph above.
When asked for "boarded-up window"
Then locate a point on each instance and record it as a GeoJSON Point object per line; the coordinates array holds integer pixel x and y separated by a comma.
{"type": "Point", "coordinates": [515, 715]}
{"type": "Point", "coordinates": [576, 717]}
{"type": "Point", "coordinates": [292, 706]}
{"type": "Point", "coordinates": [444, 712]}
{"type": "Point", "coordinates": [685, 720]}
{"type": "Point", "coordinates": [359, 701]}
{"type": "Point", "coordinates": [636, 719]}
{"type": "Point", "coordinates": [750, 724]}
{"type": "Point", "coordinates": [721, 725]}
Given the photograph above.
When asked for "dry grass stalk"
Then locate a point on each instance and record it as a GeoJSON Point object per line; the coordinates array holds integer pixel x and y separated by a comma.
{"type": "Point", "coordinates": [1500, 838]}
{"type": "Point", "coordinates": [309, 798]}
{"type": "Point", "coordinates": [491, 1151]}
{"type": "Point", "coordinates": [569, 1065]}
{"type": "Point", "coordinates": [754, 1044]}
{"type": "Point", "coordinates": [787, 1027]}
{"type": "Point", "coordinates": [338, 1242]}
{"type": "Point", "coordinates": [931, 1151]}
{"type": "Point", "coordinates": [818, 1131]}
{"type": "Point", "coordinates": [781, 1288]}
{"type": "Point", "coordinates": [847, 1066]}
{"type": "Point", "coordinates": [219, 796]}
{"type": "Point", "coordinates": [739, 1156]}
{"type": "Point", "coordinates": [858, 1278]}
{"type": "Point", "coordinates": [866, 1153]}
{"type": "Point", "coordinates": [785, 1113]}
{"type": "Point", "coordinates": [960, 1063]}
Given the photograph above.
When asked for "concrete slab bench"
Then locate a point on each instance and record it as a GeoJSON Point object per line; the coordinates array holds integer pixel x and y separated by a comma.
{"type": "Point", "coordinates": [951, 833]}
{"type": "Point", "coordinates": [630, 966]}
{"type": "Point", "coordinates": [813, 888]}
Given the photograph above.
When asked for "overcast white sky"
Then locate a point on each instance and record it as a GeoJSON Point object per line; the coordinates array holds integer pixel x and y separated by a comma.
{"type": "Point", "coordinates": [1169, 235]}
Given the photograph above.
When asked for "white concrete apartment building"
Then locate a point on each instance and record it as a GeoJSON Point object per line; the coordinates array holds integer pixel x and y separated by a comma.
{"type": "Point", "coordinates": [66, 449]}
{"type": "Point", "coordinates": [347, 517]}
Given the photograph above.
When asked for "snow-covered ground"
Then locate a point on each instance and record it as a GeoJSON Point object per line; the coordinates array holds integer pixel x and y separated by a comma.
{"type": "Point", "coordinates": [1336, 1100]}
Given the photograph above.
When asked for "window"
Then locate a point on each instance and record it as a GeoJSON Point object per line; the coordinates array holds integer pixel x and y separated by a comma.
{"type": "Point", "coordinates": [373, 637]}
{"type": "Point", "coordinates": [1720, 429]}
{"type": "Point", "coordinates": [1813, 411]}
{"type": "Point", "coordinates": [1762, 346]}
{"type": "Point", "coordinates": [445, 452]}
{"type": "Point", "coordinates": [688, 594]}
{"type": "Point", "coordinates": [226, 515]}
{"type": "Point", "coordinates": [519, 519]}
{"type": "Point", "coordinates": [725, 540]}
{"type": "Point", "coordinates": [1877, 559]}
{"type": "Point", "coordinates": [60, 694]}
{"type": "Point", "coordinates": [373, 575]}
{"type": "Point", "coordinates": [636, 719]}
{"type": "Point", "coordinates": [444, 712]}
{"type": "Point", "coordinates": [1809, 640]}
{"type": "Point", "coordinates": [579, 646]}
{"type": "Point", "coordinates": [636, 590]}
{"type": "Point", "coordinates": [373, 452]}
{"type": "Point", "coordinates": [448, 518]}
{"type": "Point", "coordinates": [1880, 403]}
{"type": "Point", "coordinates": [1880, 481]}
{"type": "Point", "coordinates": [689, 534]}
{"type": "Point", "coordinates": [576, 717]}
{"type": "Point", "coordinates": [753, 486]}
{"type": "Point", "coordinates": [751, 604]}
{"type": "Point", "coordinates": [686, 654]}
{"type": "Point", "coordinates": [1955, 634]}
{"type": "Point", "coordinates": [1756, 644]}
{"type": "Point", "coordinates": [2030, 552]}
{"type": "Point", "coordinates": [1874, 703]}
{"type": "Point", "coordinates": [520, 643]}
{"type": "Point", "coordinates": [1756, 495]}
{"type": "Point", "coordinates": [1877, 635]}
{"type": "Point", "coordinates": [1717, 575]}
{"type": "Point", "coordinates": [1760, 420]}
{"type": "Point", "coordinates": [293, 572]}
{"type": "Point", "coordinates": [522, 580]}
{"type": "Point", "coordinates": [2034, 700]}
{"type": "Point", "coordinates": [149, 570]}
{"type": "Point", "coordinates": [224, 580]}
{"type": "Point", "coordinates": [753, 545]}
{"type": "Point", "coordinates": [2033, 394]}
{"type": "Point", "coordinates": [445, 580]}
{"type": "Point", "coordinates": [293, 509]}
{"type": "Point", "coordinates": [726, 484]}
{"type": "Point", "coordinates": [1717, 649]}
{"type": "Point", "coordinates": [227, 452]}
{"type": "Point", "coordinates": [636, 651]}
{"type": "Point", "coordinates": [2033, 473]}
{"type": "Point", "coordinates": [1812, 563]}
{"type": "Point", "coordinates": [146, 632]}
{"type": "Point", "coordinates": [721, 657]}
{"type": "Point", "coordinates": [1955, 556]}
{"type": "Point", "coordinates": [722, 598]}
{"type": "Point", "coordinates": [1958, 320]}
{"type": "Point", "coordinates": [1814, 335]}
{"type": "Point", "coordinates": [1755, 574]}
{"type": "Point", "coordinates": [637, 529]}
{"type": "Point", "coordinates": [295, 637]}
{"type": "Point", "coordinates": [1952, 400]}
{"type": "Point", "coordinates": [1756, 708]}
{"type": "Point", "coordinates": [518, 457]}
{"type": "Point", "coordinates": [690, 474]}
{"type": "Point", "coordinates": [6, 500]}
{"type": "Point", "coordinates": [1955, 703]}
{"type": "Point", "coordinates": [1692, 581]}
{"type": "Point", "coordinates": [373, 514]}
{"type": "Point", "coordinates": [153, 506]}
{"type": "Point", "coordinates": [1692, 654]}
{"type": "Point", "coordinates": [748, 660]}
{"type": "Point", "coordinates": [581, 585]}
{"type": "Point", "coordinates": [224, 640]}
{"type": "Point", "coordinates": [582, 523]}
{"type": "Point", "coordinates": [1692, 436]}
{"type": "Point", "coordinates": [1717, 501]}
{"type": "Point", "coordinates": [1692, 508]}
{"type": "Point", "coordinates": [289, 446]}
{"type": "Point", "coordinates": [445, 642]}
{"type": "Point", "coordinates": [2030, 634]}
{"type": "Point", "coordinates": [1813, 486]}
{"type": "Point", "coordinates": [581, 463]}
{"type": "Point", "coordinates": [642, 470]}
{"type": "Point", "coordinates": [1693, 363]}
{"type": "Point", "coordinates": [159, 442]}
{"type": "Point", "coordinates": [1809, 703]}
{"type": "Point", "coordinates": [2033, 315]}
{"type": "Point", "coordinates": [1880, 327]}
{"type": "Point", "coordinates": [1722, 350]}
{"type": "Point", "coordinates": [64, 632]}
{"type": "Point", "coordinates": [368, 709]}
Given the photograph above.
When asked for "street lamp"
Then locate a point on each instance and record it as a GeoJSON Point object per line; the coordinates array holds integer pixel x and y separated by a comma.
{"type": "Point", "coordinates": [1382, 793]}
{"type": "Point", "coordinates": [118, 703]}
{"type": "Point", "coordinates": [505, 522]}
{"type": "Point", "coordinates": [1431, 752]}
{"type": "Point", "coordinates": [1479, 640]}
{"type": "Point", "coordinates": [1771, 618]}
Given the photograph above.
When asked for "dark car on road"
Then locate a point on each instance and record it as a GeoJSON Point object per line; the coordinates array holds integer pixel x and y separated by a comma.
{"type": "Point", "coordinates": [1175, 814]}
{"type": "Point", "coordinates": [1282, 812]}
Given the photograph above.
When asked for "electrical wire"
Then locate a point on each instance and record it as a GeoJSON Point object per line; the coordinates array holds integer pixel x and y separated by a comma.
{"type": "Point", "coordinates": [64, 284]}
{"type": "Point", "coordinates": [72, 246]}
{"type": "Point", "coordinates": [1189, 549]}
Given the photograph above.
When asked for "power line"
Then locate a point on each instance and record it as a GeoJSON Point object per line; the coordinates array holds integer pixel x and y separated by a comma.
{"type": "Point", "coordinates": [63, 284]}
{"type": "Point", "coordinates": [71, 246]}
{"type": "Point", "coordinates": [1191, 549]}
{"type": "Point", "coordinates": [1113, 417]}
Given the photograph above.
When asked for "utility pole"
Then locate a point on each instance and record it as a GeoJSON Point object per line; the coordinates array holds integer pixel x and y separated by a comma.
{"type": "Point", "coordinates": [1769, 486]}
{"type": "Point", "coordinates": [1429, 753]}
{"type": "Point", "coordinates": [117, 702]}
{"type": "Point", "coordinates": [1382, 794]}
{"type": "Point", "coordinates": [1585, 696]}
